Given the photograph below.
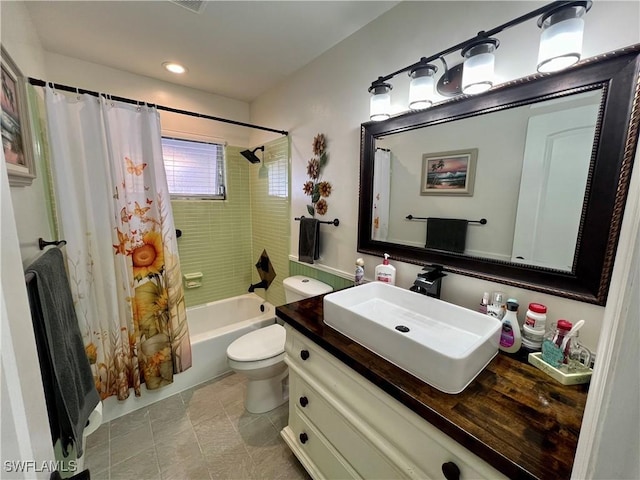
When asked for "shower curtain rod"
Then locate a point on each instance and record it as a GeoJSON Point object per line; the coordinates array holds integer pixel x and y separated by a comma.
{"type": "Point", "coordinates": [66, 88]}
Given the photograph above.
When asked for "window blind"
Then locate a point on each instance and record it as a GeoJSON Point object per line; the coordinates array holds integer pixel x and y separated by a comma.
{"type": "Point", "coordinates": [278, 167]}
{"type": "Point", "coordinates": [195, 170]}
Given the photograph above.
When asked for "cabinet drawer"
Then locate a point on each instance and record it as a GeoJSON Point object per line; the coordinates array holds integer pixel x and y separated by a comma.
{"type": "Point", "coordinates": [414, 445]}
{"type": "Point", "coordinates": [369, 462]}
{"type": "Point", "coordinates": [313, 448]}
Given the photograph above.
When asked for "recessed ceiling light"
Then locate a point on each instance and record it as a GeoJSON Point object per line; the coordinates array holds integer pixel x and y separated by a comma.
{"type": "Point", "coordinates": [174, 67]}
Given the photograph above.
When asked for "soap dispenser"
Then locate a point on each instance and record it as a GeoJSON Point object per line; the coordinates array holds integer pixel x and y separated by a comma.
{"type": "Point", "coordinates": [385, 272]}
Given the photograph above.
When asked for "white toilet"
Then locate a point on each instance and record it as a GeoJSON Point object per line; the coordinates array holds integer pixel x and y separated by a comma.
{"type": "Point", "coordinates": [260, 354]}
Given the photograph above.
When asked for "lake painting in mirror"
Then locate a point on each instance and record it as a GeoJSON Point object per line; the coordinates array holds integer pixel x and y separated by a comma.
{"type": "Point", "coordinates": [531, 168]}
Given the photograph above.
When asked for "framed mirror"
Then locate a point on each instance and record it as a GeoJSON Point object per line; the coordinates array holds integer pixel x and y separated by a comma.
{"type": "Point", "coordinates": [524, 185]}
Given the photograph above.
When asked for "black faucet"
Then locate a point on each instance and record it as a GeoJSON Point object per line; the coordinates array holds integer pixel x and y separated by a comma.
{"type": "Point", "coordinates": [260, 284]}
{"type": "Point", "coordinates": [430, 282]}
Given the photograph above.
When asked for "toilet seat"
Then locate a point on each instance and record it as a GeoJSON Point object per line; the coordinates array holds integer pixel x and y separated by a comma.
{"type": "Point", "coordinates": [259, 345]}
{"type": "Point", "coordinates": [255, 364]}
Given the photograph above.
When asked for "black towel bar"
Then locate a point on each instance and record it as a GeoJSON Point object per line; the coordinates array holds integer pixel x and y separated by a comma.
{"type": "Point", "coordinates": [43, 243]}
{"type": "Point", "coordinates": [335, 222]}
{"type": "Point", "coordinates": [482, 221]}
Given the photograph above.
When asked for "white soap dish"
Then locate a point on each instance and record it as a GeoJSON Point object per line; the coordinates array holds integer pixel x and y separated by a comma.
{"type": "Point", "coordinates": [565, 378]}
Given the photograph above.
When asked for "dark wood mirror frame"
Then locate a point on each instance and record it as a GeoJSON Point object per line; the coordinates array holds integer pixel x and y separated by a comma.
{"type": "Point", "coordinates": [617, 74]}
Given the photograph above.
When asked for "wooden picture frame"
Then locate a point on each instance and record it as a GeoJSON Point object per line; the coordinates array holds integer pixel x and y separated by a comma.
{"type": "Point", "coordinates": [449, 173]}
{"type": "Point", "coordinates": [16, 127]}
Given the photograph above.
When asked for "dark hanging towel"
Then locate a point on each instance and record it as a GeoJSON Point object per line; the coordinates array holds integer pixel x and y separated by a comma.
{"type": "Point", "coordinates": [448, 234]}
{"type": "Point", "coordinates": [309, 243]}
{"type": "Point", "coordinates": [70, 392]}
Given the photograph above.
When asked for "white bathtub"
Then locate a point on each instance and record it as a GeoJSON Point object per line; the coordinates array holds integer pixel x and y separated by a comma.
{"type": "Point", "coordinates": [212, 328]}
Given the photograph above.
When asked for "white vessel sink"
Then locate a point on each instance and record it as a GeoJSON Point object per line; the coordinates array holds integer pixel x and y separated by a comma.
{"type": "Point", "coordinates": [445, 345]}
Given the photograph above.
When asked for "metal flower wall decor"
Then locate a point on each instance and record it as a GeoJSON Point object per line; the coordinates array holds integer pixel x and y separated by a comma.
{"type": "Point", "coordinates": [317, 188]}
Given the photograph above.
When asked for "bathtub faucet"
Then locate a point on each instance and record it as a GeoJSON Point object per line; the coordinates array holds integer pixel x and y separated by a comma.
{"type": "Point", "coordinates": [261, 284]}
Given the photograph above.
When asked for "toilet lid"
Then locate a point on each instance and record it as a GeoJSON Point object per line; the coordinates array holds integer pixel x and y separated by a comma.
{"type": "Point", "coordinates": [260, 344]}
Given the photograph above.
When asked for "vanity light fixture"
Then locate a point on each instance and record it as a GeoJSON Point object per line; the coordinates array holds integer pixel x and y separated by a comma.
{"type": "Point", "coordinates": [174, 67]}
{"type": "Point", "coordinates": [560, 47]}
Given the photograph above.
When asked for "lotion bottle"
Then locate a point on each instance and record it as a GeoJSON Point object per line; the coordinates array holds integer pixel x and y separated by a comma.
{"type": "Point", "coordinates": [510, 338]}
{"type": "Point", "coordinates": [385, 272]}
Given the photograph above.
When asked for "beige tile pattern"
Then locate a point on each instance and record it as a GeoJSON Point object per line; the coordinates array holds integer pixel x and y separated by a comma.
{"type": "Point", "coordinates": [203, 433]}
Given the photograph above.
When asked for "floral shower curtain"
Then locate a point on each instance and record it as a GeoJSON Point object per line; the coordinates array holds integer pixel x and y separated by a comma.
{"type": "Point", "coordinates": [114, 211]}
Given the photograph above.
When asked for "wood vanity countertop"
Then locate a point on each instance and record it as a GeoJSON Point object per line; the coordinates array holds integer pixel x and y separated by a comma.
{"type": "Point", "coordinates": [513, 416]}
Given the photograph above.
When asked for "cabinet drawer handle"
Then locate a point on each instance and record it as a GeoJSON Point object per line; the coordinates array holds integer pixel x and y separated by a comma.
{"type": "Point", "coordinates": [304, 354]}
{"type": "Point", "coordinates": [451, 471]}
{"type": "Point", "coordinates": [304, 437]}
{"type": "Point", "coordinates": [304, 401]}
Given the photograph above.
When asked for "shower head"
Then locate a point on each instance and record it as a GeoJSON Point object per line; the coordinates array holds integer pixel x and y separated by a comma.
{"type": "Point", "coordinates": [251, 154]}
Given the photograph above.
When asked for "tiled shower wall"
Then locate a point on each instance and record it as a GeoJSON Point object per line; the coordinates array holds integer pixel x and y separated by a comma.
{"type": "Point", "coordinates": [224, 239]}
{"type": "Point", "coordinates": [216, 236]}
{"type": "Point", "coordinates": [270, 216]}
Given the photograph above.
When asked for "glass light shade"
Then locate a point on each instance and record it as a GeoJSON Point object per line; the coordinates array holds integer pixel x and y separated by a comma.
{"type": "Point", "coordinates": [421, 88]}
{"type": "Point", "coordinates": [380, 104]}
{"type": "Point", "coordinates": [478, 69]}
{"type": "Point", "coordinates": [561, 39]}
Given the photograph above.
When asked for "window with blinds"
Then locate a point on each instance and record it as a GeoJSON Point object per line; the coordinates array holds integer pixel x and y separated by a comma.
{"type": "Point", "coordinates": [195, 170]}
{"type": "Point", "coordinates": [278, 176]}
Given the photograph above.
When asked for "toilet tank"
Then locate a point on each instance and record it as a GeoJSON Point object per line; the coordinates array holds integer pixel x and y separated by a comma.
{"type": "Point", "coordinates": [299, 287]}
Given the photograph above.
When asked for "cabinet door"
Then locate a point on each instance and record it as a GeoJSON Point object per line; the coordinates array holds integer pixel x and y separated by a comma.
{"type": "Point", "coordinates": [352, 444]}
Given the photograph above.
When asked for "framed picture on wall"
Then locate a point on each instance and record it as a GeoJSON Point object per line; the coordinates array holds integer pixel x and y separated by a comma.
{"type": "Point", "coordinates": [449, 173]}
{"type": "Point", "coordinates": [16, 131]}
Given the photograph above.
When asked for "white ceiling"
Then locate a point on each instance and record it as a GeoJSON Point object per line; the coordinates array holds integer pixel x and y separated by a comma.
{"type": "Point", "coordinates": [237, 49]}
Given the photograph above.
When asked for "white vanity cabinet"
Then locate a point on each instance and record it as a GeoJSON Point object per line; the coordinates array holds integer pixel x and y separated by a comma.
{"type": "Point", "coordinates": [343, 426]}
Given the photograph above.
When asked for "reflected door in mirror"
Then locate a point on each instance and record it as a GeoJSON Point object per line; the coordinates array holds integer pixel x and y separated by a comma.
{"type": "Point", "coordinates": [554, 177]}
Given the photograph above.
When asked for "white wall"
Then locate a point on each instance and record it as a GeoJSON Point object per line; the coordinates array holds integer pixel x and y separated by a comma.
{"type": "Point", "coordinates": [21, 41]}
{"type": "Point", "coordinates": [609, 439]}
{"type": "Point", "coordinates": [330, 95]}
{"type": "Point", "coordinates": [95, 77]}
{"type": "Point", "coordinates": [25, 424]}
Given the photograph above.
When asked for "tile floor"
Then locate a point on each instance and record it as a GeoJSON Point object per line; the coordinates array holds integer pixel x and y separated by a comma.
{"type": "Point", "coordinates": [203, 433]}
